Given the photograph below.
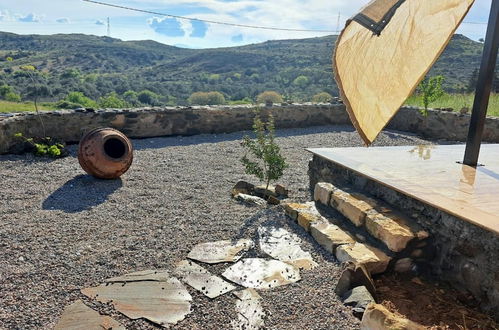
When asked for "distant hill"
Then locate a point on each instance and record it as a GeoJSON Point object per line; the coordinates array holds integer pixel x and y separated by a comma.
{"type": "Point", "coordinates": [99, 65]}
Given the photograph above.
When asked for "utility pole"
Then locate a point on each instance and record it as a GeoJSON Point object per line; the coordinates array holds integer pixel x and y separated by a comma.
{"type": "Point", "coordinates": [108, 28]}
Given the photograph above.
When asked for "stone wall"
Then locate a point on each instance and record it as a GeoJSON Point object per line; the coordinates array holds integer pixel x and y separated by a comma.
{"type": "Point", "coordinates": [465, 255]}
{"type": "Point", "coordinates": [69, 125]}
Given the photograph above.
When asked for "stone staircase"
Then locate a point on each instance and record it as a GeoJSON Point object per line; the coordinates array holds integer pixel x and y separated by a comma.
{"type": "Point", "coordinates": [358, 228]}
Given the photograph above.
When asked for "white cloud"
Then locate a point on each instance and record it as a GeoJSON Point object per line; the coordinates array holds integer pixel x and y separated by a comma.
{"type": "Point", "coordinates": [30, 18]}
{"type": "Point", "coordinates": [63, 20]}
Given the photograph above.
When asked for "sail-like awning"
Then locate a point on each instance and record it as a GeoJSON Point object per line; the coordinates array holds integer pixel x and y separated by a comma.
{"type": "Point", "coordinates": [385, 51]}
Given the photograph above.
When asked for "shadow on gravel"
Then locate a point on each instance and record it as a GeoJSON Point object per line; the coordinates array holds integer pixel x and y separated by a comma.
{"type": "Point", "coordinates": [81, 193]}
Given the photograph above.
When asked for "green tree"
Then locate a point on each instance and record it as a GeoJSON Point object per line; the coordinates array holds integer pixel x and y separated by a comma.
{"type": "Point", "coordinates": [266, 161]}
{"type": "Point", "coordinates": [323, 97]}
{"type": "Point", "coordinates": [131, 97]}
{"type": "Point", "coordinates": [431, 90]}
{"type": "Point", "coordinates": [301, 81]}
{"type": "Point", "coordinates": [5, 89]}
{"type": "Point", "coordinates": [112, 100]}
{"type": "Point", "coordinates": [206, 98]}
{"type": "Point", "coordinates": [148, 97]}
{"type": "Point", "coordinates": [80, 99]}
{"type": "Point", "coordinates": [269, 97]}
{"type": "Point", "coordinates": [12, 97]}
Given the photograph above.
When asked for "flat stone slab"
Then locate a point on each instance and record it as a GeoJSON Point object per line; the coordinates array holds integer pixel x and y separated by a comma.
{"type": "Point", "coordinates": [202, 280]}
{"type": "Point", "coordinates": [259, 273]}
{"type": "Point", "coordinates": [353, 206]}
{"type": "Point", "coordinates": [250, 315]}
{"type": "Point", "coordinates": [373, 259]}
{"type": "Point", "coordinates": [79, 316]}
{"type": "Point", "coordinates": [220, 251]}
{"type": "Point", "coordinates": [330, 236]}
{"type": "Point", "coordinates": [246, 294]}
{"type": "Point", "coordinates": [390, 229]}
{"type": "Point", "coordinates": [156, 298]}
{"type": "Point", "coordinates": [293, 209]}
{"type": "Point", "coordinates": [378, 317]}
{"type": "Point", "coordinates": [282, 245]}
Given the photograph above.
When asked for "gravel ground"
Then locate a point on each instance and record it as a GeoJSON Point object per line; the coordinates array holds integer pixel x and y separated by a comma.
{"type": "Point", "coordinates": [61, 230]}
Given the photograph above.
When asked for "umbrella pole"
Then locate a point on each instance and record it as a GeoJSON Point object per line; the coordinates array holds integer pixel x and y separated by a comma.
{"type": "Point", "coordinates": [483, 88]}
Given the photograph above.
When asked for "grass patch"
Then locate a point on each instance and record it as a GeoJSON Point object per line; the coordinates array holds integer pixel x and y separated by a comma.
{"type": "Point", "coordinates": [6, 106]}
{"type": "Point", "coordinates": [457, 102]}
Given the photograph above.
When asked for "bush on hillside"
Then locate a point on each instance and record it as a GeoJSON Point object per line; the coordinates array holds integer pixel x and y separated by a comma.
{"type": "Point", "coordinates": [269, 97]}
{"type": "Point", "coordinates": [206, 98]}
{"type": "Point", "coordinates": [322, 98]}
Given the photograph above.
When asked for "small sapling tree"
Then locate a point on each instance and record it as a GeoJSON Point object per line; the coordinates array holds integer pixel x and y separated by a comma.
{"type": "Point", "coordinates": [266, 161]}
{"type": "Point", "coordinates": [431, 90]}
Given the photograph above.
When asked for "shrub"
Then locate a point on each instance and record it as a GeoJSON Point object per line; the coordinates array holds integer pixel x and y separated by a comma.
{"type": "Point", "coordinates": [267, 163]}
{"type": "Point", "coordinates": [301, 81]}
{"type": "Point", "coordinates": [80, 99]}
{"type": "Point", "coordinates": [112, 100]}
{"type": "Point", "coordinates": [131, 97]}
{"type": "Point", "coordinates": [431, 90]}
{"type": "Point", "coordinates": [269, 97]}
{"type": "Point", "coordinates": [5, 89]}
{"type": "Point", "coordinates": [206, 98]}
{"type": "Point", "coordinates": [63, 104]}
{"type": "Point", "coordinates": [12, 97]}
{"type": "Point", "coordinates": [322, 98]}
{"type": "Point", "coordinates": [148, 97]}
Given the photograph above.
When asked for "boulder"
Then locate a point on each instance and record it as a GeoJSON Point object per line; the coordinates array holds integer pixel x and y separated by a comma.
{"type": "Point", "coordinates": [242, 187]}
{"type": "Point", "coordinates": [377, 317]}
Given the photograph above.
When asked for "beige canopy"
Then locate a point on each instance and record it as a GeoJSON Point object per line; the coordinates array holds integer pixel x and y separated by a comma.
{"type": "Point", "coordinates": [385, 51]}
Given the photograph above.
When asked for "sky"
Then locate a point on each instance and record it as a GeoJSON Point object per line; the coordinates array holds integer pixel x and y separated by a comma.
{"type": "Point", "coordinates": [78, 16]}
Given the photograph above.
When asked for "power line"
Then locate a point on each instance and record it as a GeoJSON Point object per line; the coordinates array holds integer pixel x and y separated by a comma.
{"type": "Point", "coordinates": [208, 21]}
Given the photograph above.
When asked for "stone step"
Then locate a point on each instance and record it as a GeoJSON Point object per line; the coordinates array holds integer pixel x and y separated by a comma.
{"type": "Point", "coordinates": [335, 239]}
{"type": "Point", "coordinates": [392, 228]}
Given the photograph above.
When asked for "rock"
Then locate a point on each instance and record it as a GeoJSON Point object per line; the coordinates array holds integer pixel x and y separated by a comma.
{"type": "Point", "coordinates": [281, 191]}
{"type": "Point", "coordinates": [352, 276]}
{"type": "Point", "coordinates": [404, 265]}
{"type": "Point", "coordinates": [156, 298]}
{"type": "Point", "coordinates": [250, 315]}
{"type": "Point", "coordinates": [373, 259]}
{"type": "Point", "coordinates": [251, 200]}
{"type": "Point", "coordinates": [202, 280]}
{"type": "Point", "coordinates": [329, 236]}
{"type": "Point", "coordinates": [353, 206]}
{"type": "Point", "coordinates": [390, 229]}
{"type": "Point", "coordinates": [292, 209]}
{"type": "Point", "coordinates": [259, 273]}
{"type": "Point", "coordinates": [322, 192]}
{"type": "Point", "coordinates": [220, 251]}
{"type": "Point", "coordinates": [264, 192]}
{"type": "Point", "coordinates": [377, 317]}
{"type": "Point", "coordinates": [247, 294]}
{"type": "Point", "coordinates": [242, 187]}
{"type": "Point", "coordinates": [358, 297]}
{"type": "Point", "coordinates": [306, 219]}
{"type": "Point", "coordinates": [78, 316]}
{"type": "Point", "coordinates": [273, 200]}
{"type": "Point", "coordinates": [282, 245]}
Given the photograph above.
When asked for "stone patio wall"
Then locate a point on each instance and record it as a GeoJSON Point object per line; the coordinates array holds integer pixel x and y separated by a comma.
{"type": "Point", "coordinates": [465, 255]}
{"type": "Point", "coordinates": [70, 125]}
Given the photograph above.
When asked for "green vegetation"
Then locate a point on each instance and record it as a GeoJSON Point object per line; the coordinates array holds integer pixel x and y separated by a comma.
{"type": "Point", "coordinates": [209, 98]}
{"type": "Point", "coordinates": [6, 106]}
{"type": "Point", "coordinates": [267, 163]}
{"type": "Point", "coordinates": [457, 102]}
{"type": "Point", "coordinates": [42, 147]}
{"type": "Point", "coordinates": [269, 97]}
{"type": "Point", "coordinates": [430, 90]}
{"type": "Point", "coordinates": [98, 66]}
{"type": "Point", "coordinates": [322, 98]}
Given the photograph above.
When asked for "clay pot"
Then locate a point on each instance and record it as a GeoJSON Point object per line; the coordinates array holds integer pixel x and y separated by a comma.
{"type": "Point", "coordinates": [105, 153]}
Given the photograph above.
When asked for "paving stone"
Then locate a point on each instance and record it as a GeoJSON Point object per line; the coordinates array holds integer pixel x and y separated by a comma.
{"type": "Point", "coordinates": [161, 301]}
{"type": "Point", "coordinates": [329, 236]}
{"type": "Point", "coordinates": [373, 259]}
{"type": "Point", "coordinates": [353, 206]}
{"type": "Point", "coordinates": [282, 245]}
{"type": "Point", "coordinates": [259, 273]}
{"type": "Point", "coordinates": [322, 192]}
{"type": "Point", "coordinates": [79, 316]}
{"type": "Point", "coordinates": [220, 251]}
{"type": "Point", "coordinates": [250, 315]}
{"type": "Point", "coordinates": [378, 317]}
{"type": "Point", "coordinates": [390, 229]}
{"type": "Point", "coordinates": [247, 294]}
{"type": "Point", "coordinates": [202, 280]}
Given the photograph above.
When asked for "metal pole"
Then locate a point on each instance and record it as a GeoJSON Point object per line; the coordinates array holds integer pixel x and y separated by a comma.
{"type": "Point", "coordinates": [483, 88]}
